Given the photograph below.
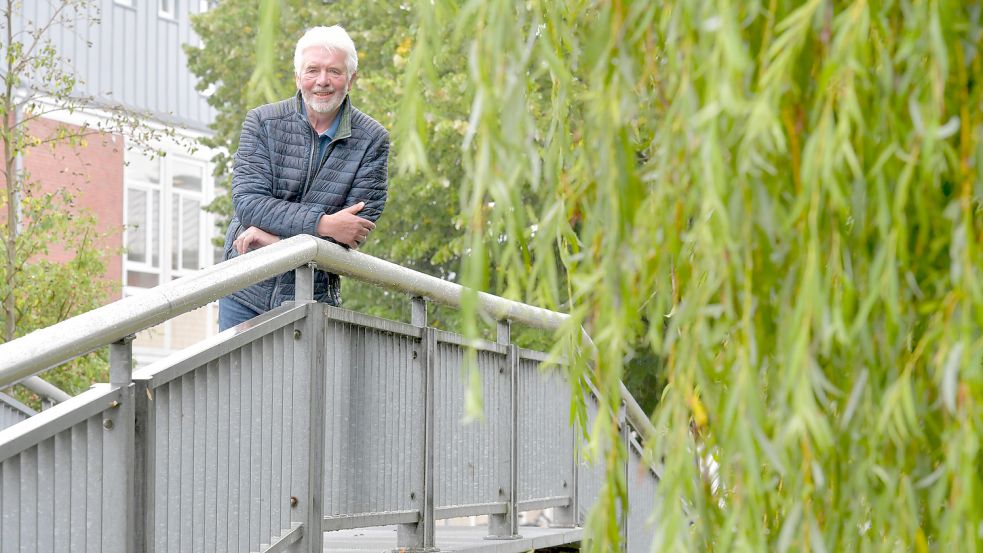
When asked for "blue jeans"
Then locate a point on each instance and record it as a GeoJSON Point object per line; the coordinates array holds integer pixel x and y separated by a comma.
{"type": "Point", "coordinates": [231, 313]}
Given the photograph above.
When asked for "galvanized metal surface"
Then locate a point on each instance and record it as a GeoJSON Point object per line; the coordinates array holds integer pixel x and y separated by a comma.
{"type": "Point", "coordinates": [13, 411]}
{"type": "Point", "coordinates": [388, 275]}
{"type": "Point", "coordinates": [641, 502]}
{"type": "Point", "coordinates": [226, 440]}
{"type": "Point", "coordinates": [57, 494]}
{"type": "Point", "coordinates": [45, 389]}
{"type": "Point", "coordinates": [314, 417]}
{"type": "Point", "coordinates": [48, 347]}
{"type": "Point", "coordinates": [590, 471]}
{"type": "Point", "coordinates": [546, 437]}
{"type": "Point", "coordinates": [58, 343]}
{"type": "Point", "coordinates": [471, 459]}
{"type": "Point", "coordinates": [451, 538]}
{"type": "Point", "coordinates": [374, 419]}
{"type": "Point", "coordinates": [286, 539]}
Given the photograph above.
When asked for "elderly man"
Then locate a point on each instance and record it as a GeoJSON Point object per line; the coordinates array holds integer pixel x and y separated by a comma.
{"type": "Point", "coordinates": [312, 164]}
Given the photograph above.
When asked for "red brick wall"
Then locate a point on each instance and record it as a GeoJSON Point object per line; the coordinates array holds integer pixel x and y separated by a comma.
{"type": "Point", "coordinates": [93, 173]}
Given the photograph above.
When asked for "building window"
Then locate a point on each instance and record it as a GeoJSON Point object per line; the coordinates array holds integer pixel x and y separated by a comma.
{"type": "Point", "coordinates": [167, 8]}
{"type": "Point", "coordinates": [186, 217]}
{"type": "Point", "coordinates": [168, 235]}
{"type": "Point", "coordinates": [167, 232]}
{"type": "Point", "coordinates": [142, 197]}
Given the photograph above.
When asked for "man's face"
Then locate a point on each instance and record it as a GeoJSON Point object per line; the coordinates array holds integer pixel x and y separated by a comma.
{"type": "Point", "coordinates": [323, 80]}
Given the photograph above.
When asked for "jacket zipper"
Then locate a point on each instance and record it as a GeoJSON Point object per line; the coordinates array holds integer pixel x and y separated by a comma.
{"type": "Point", "coordinates": [312, 175]}
{"type": "Point", "coordinates": [307, 186]}
{"type": "Point", "coordinates": [310, 165]}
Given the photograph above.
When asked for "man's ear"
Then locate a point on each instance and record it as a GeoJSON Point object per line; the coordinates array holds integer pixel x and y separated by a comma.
{"type": "Point", "coordinates": [351, 81]}
{"type": "Point", "coordinates": [297, 81]}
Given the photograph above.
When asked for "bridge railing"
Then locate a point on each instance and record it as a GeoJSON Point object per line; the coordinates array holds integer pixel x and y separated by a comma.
{"type": "Point", "coordinates": [307, 419]}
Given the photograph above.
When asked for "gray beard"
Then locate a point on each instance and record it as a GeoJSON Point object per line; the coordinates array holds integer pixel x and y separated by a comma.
{"type": "Point", "coordinates": [319, 106]}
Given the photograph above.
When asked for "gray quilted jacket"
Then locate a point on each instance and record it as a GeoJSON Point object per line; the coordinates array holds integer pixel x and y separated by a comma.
{"type": "Point", "coordinates": [277, 186]}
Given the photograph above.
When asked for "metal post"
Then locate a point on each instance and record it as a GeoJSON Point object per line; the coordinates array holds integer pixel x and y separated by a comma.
{"type": "Point", "coordinates": [304, 283]}
{"type": "Point", "coordinates": [567, 517]}
{"type": "Point", "coordinates": [121, 362]}
{"type": "Point", "coordinates": [506, 527]}
{"type": "Point", "coordinates": [118, 442]}
{"type": "Point", "coordinates": [313, 339]}
{"type": "Point", "coordinates": [504, 335]}
{"type": "Point", "coordinates": [418, 312]}
{"type": "Point", "coordinates": [419, 536]}
{"type": "Point", "coordinates": [626, 442]}
{"type": "Point", "coordinates": [143, 465]}
{"type": "Point", "coordinates": [307, 482]}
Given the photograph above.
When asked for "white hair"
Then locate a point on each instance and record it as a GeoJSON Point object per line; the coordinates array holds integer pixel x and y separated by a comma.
{"type": "Point", "coordinates": [332, 39]}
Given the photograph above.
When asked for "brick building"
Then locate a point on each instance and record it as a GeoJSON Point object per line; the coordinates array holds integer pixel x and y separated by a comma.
{"type": "Point", "coordinates": [151, 208]}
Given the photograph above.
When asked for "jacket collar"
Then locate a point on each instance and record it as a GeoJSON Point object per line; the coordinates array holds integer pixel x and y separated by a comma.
{"type": "Point", "coordinates": [344, 126]}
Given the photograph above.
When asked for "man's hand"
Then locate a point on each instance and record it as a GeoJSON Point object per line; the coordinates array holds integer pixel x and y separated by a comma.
{"type": "Point", "coordinates": [253, 238]}
{"type": "Point", "coordinates": [346, 227]}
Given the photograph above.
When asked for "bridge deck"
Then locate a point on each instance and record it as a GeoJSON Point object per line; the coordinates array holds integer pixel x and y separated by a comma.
{"type": "Point", "coordinates": [451, 538]}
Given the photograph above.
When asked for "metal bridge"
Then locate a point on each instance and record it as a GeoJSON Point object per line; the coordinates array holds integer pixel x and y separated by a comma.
{"type": "Point", "coordinates": [305, 429]}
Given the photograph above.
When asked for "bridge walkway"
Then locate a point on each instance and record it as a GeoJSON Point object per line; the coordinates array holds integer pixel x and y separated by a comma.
{"type": "Point", "coordinates": [298, 430]}
{"type": "Point", "coordinates": [456, 539]}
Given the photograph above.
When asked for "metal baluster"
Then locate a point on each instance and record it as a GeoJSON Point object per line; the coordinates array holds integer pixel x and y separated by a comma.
{"type": "Point", "coordinates": [506, 527]}
{"type": "Point", "coordinates": [304, 283]}
{"type": "Point", "coordinates": [419, 536]}
{"type": "Point", "coordinates": [118, 442]}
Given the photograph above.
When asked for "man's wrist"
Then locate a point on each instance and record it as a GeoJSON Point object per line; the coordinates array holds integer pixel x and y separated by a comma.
{"type": "Point", "coordinates": [323, 225]}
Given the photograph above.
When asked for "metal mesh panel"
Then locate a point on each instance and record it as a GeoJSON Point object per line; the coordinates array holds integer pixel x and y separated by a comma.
{"type": "Point", "coordinates": [222, 441]}
{"type": "Point", "coordinates": [545, 433]}
{"type": "Point", "coordinates": [471, 459]}
{"type": "Point", "coordinates": [374, 421]}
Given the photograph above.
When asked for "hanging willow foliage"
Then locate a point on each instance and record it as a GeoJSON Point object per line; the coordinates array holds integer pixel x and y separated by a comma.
{"type": "Point", "coordinates": [782, 201]}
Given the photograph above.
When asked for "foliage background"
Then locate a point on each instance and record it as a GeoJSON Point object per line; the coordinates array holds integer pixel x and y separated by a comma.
{"type": "Point", "coordinates": [36, 81]}
{"type": "Point", "coordinates": [774, 207]}
{"type": "Point", "coordinates": [422, 228]}
{"type": "Point", "coordinates": [781, 202]}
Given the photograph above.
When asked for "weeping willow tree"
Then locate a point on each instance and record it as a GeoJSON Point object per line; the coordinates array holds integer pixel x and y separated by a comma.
{"type": "Point", "coordinates": [779, 200]}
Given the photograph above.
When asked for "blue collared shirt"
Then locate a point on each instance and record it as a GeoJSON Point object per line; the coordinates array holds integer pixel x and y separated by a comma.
{"type": "Point", "coordinates": [327, 136]}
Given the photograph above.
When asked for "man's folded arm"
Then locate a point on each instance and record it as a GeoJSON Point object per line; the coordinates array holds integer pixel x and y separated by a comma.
{"type": "Point", "coordinates": [372, 179]}
{"type": "Point", "coordinates": [252, 189]}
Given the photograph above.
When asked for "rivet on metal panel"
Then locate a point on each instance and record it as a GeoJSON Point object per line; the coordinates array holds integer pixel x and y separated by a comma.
{"type": "Point", "coordinates": [297, 334]}
{"type": "Point", "coordinates": [293, 501]}
{"type": "Point", "coordinates": [108, 423]}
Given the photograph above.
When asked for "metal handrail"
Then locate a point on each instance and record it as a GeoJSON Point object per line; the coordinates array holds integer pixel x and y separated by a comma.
{"type": "Point", "coordinates": [51, 346]}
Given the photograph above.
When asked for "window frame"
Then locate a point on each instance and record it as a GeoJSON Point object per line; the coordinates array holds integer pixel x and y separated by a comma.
{"type": "Point", "coordinates": [174, 199]}
{"type": "Point", "coordinates": [147, 266]}
{"type": "Point", "coordinates": [169, 199]}
{"type": "Point", "coordinates": [169, 13]}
